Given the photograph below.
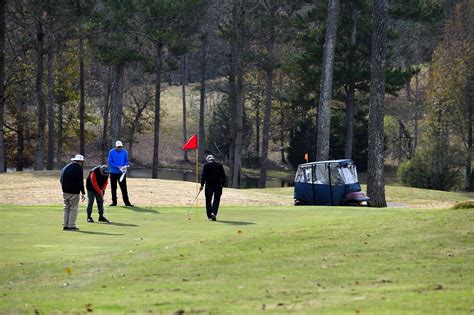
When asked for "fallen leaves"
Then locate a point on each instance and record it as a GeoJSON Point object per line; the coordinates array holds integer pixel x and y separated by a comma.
{"type": "Point", "coordinates": [89, 308]}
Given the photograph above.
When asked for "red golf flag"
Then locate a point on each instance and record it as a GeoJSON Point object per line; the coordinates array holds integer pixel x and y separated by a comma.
{"type": "Point", "coordinates": [191, 144]}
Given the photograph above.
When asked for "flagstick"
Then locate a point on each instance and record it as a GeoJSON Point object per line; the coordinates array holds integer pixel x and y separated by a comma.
{"type": "Point", "coordinates": [197, 180]}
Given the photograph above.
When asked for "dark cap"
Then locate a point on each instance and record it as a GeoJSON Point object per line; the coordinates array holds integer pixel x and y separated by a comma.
{"type": "Point", "coordinates": [104, 169]}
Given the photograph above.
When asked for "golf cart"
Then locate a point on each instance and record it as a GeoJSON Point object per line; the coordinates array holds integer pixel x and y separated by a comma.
{"type": "Point", "coordinates": [329, 183]}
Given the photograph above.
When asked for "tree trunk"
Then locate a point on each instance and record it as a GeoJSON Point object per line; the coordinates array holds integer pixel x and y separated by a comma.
{"type": "Point", "coordinates": [239, 100]}
{"type": "Point", "coordinates": [117, 104]}
{"type": "Point", "coordinates": [202, 99]}
{"type": "Point", "coordinates": [3, 4]}
{"type": "Point", "coordinates": [350, 100]}
{"type": "Point", "coordinates": [131, 139]}
{"type": "Point", "coordinates": [21, 122]}
{"type": "Point", "coordinates": [257, 117]}
{"type": "Point", "coordinates": [469, 96]}
{"type": "Point", "coordinates": [105, 117]}
{"type": "Point", "coordinates": [156, 132]}
{"type": "Point", "coordinates": [238, 132]}
{"type": "Point", "coordinates": [325, 95]}
{"type": "Point", "coordinates": [82, 106]}
{"type": "Point", "coordinates": [183, 92]}
{"type": "Point", "coordinates": [267, 113]}
{"type": "Point", "coordinates": [232, 107]}
{"type": "Point", "coordinates": [417, 109]}
{"type": "Point", "coordinates": [60, 134]}
{"type": "Point", "coordinates": [282, 121]}
{"type": "Point", "coordinates": [266, 127]}
{"type": "Point", "coordinates": [51, 132]}
{"type": "Point", "coordinates": [41, 110]}
{"type": "Point", "coordinates": [59, 124]}
{"type": "Point", "coordinates": [400, 142]}
{"type": "Point", "coordinates": [375, 172]}
{"type": "Point", "coordinates": [236, 94]}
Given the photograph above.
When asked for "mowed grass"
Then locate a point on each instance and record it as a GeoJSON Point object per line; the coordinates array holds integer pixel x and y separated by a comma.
{"type": "Point", "coordinates": [302, 260]}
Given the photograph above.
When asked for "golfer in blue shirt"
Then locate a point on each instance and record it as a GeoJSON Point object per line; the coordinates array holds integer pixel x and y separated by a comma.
{"type": "Point", "coordinates": [118, 164]}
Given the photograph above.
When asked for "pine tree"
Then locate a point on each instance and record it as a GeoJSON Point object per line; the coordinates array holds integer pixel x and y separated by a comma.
{"type": "Point", "coordinates": [325, 96]}
{"type": "Point", "coordinates": [3, 4]}
{"type": "Point", "coordinates": [375, 175]}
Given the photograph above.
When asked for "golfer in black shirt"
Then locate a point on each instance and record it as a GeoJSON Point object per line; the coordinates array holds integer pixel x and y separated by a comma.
{"type": "Point", "coordinates": [213, 176]}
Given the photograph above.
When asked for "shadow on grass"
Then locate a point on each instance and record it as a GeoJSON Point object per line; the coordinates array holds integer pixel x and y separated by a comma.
{"type": "Point", "coordinates": [98, 233]}
{"type": "Point", "coordinates": [235, 222]}
{"type": "Point", "coordinates": [123, 224]}
{"type": "Point", "coordinates": [138, 209]}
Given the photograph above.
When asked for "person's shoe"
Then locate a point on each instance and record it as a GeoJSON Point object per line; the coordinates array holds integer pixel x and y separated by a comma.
{"type": "Point", "coordinates": [129, 205]}
{"type": "Point", "coordinates": [65, 228]}
{"type": "Point", "coordinates": [209, 219]}
{"type": "Point", "coordinates": [103, 219]}
{"type": "Point", "coordinates": [90, 220]}
{"type": "Point", "coordinates": [213, 217]}
{"type": "Point", "coordinates": [73, 229]}
{"type": "Point", "coordinates": [112, 205]}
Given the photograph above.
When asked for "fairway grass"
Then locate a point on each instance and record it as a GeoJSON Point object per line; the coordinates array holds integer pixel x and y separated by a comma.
{"type": "Point", "coordinates": [305, 260]}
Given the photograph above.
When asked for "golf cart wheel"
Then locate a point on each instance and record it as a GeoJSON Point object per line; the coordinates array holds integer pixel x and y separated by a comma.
{"type": "Point", "coordinates": [352, 204]}
{"type": "Point", "coordinates": [299, 203]}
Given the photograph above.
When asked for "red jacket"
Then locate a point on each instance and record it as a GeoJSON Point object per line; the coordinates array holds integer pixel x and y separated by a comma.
{"type": "Point", "coordinates": [96, 181]}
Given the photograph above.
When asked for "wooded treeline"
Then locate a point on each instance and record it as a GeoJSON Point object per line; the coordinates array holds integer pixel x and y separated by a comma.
{"type": "Point", "coordinates": [305, 76]}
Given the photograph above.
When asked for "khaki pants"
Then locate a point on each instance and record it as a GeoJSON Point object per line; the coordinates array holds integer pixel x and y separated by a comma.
{"type": "Point", "coordinates": [71, 206]}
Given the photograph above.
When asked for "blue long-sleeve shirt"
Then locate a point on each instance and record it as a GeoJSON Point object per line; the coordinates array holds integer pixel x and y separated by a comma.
{"type": "Point", "coordinates": [117, 159]}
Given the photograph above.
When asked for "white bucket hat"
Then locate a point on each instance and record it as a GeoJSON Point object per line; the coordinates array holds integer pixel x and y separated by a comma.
{"type": "Point", "coordinates": [210, 157]}
{"type": "Point", "coordinates": [118, 143]}
{"type": "Point", "coordinates": [78, 158]}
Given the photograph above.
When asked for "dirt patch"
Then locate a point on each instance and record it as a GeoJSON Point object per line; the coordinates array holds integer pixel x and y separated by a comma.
{"type": "Point", "coordinates": [43, 188]}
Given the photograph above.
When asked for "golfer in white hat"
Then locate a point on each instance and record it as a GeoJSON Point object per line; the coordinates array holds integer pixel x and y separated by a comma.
{"type": "Point", "coordinates": [72, 182]}
{"type": "Point", "coordinates": [118, 164]}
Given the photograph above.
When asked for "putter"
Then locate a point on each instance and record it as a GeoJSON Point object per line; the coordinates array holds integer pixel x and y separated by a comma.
{"type": "Point", "coordinates": [195, 198]}
{"type": "Point", "coordinates": [106, 213]}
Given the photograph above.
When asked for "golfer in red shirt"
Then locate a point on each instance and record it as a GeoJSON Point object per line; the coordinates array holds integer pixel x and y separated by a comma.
{"type": "Point", "coordinates": [95, 184]}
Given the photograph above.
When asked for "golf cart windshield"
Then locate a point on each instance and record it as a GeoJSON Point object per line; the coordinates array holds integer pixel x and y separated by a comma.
{"type": "Point", "coordinates": [337, 173]}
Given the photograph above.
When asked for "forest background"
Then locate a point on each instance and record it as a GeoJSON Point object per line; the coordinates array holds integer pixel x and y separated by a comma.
{"type": "Point", "coordinates": [262, 82]}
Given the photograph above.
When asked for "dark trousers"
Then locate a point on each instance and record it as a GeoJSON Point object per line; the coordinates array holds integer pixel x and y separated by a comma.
{"type": "Point", "coordinates": [114, 178]}
{"type": "Point", "coordinates": [212, 206]}
{"type": "Point", "coordinates": [91, 195]}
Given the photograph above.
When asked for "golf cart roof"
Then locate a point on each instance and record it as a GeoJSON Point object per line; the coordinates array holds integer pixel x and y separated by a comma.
{"type": "Point", "coordinates": [340, 162]}
{"type": "Point", "coordinates": [334, 172]}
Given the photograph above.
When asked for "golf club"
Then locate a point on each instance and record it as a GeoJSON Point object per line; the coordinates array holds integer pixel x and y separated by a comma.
{"type": "Point", "coordinates": [124, 171]}
{"type": "Point", "coordinates": [192, 204]}
{"type": "Point", "coordinates": [105, 210]}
